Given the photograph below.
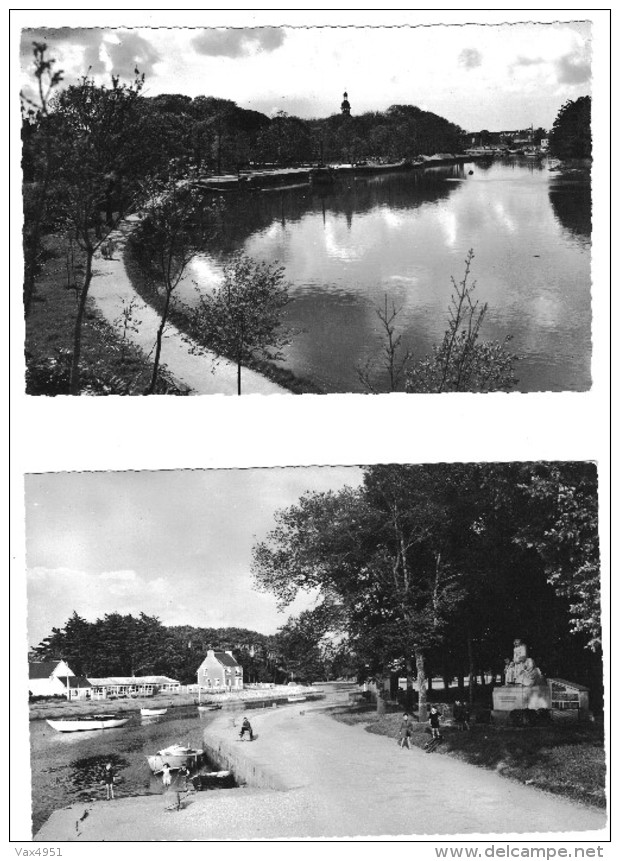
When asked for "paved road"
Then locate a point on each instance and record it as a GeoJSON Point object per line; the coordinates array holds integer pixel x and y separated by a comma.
{"type": "Point", "coordinates": [341, 782]}
{"type": "Point", "coordinates": [112, 290]}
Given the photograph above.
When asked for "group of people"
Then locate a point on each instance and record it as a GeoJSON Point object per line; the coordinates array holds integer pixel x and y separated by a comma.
{"type": "Point", "coordinates": [460, 715]}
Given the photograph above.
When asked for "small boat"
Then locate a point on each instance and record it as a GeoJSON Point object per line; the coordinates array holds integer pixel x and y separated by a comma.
{"type": "Point", "coordinates": [88, 722]}
{"type": "Point", "coordinates": [212, 779]}
{"type": "Point", "coordinates": [296, 698]}
{"type": "Point", "coordinates": [152, 712]}
{"type": "Point", "coordinates": [214, 707]}
{"type": "Point", "coordinates": [176, 755]}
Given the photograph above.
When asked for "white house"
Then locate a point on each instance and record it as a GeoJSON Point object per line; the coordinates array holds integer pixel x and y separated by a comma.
{"type": "Point", "coordinates": [48, 678]}
{"type": "Point", "coordinates": [220, 671]}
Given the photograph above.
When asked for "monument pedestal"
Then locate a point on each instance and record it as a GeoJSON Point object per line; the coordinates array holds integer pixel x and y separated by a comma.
{"type": "Point", "coordinates": [507, 698]}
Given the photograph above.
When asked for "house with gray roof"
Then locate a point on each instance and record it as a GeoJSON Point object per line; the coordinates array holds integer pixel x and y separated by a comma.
{"type": "Point", "coordinates": [220, 671]}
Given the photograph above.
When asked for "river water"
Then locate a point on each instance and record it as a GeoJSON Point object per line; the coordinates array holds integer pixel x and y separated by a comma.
{"type": "Point", "coordinates": [67, 767]}
{"type": "Point", "coordinates": [405, 235]}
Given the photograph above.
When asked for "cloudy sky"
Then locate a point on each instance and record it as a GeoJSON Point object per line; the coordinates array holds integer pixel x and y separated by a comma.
{"type": "Point", "coordinates": [496, 77]}
{"type": "Point", "coordinates": [174, 544]}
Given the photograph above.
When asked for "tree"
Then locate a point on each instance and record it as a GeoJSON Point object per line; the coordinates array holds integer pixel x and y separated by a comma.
{"type": "Point", "coordinates": [378, 556]}
{"type": "Point", "coordinates": [171, 232]}
{"type": "Point", "coordinates": [39, 161]}
{"type": "Point", "coordinates": [571, 135]}
{"type": "Point", "coordinates": [95, 182]}
{"type": "Point", "coordinates": [463, 363]}
{"type": "Point", "coordinates": [242, 318]}
{"type": "Point", "coordinates": [394, 360]}
{"type": "Point", "coordinates": [563, 529]}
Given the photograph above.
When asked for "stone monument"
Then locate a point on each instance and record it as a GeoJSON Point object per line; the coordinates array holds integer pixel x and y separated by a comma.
{"type": "Point", "coordinates": [524, 685]}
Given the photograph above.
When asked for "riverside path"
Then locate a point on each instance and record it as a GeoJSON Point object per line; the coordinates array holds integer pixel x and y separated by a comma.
{"type": "Point", "coordinates": [112, 291]}
{"type": "Point", "coordinates": [309, 776]}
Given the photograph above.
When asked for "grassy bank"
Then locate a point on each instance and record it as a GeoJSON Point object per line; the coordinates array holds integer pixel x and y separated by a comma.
{"type": "Point", "coordinates": [145, 283]}
{"type": "Point", "coordinates": [110, 364]}
{"type": "Point", "coordinates": [564, 758]}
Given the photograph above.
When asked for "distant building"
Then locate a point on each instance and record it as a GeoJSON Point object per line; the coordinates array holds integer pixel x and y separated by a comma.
{"type": "Point", "coordinates": [123, 686]}
{"type": "Point", "coordinates": [220, 671]}
{"type": "Point", "coordinates": [345, 107]}
{"type": "Point", "coordinates": [46, 678]}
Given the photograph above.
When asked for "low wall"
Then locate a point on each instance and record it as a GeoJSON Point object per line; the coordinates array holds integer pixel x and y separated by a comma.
{"type": "Point", "coordinates": [229, 756]}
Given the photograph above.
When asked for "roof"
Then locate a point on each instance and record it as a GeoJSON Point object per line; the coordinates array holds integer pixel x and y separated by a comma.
{"type": "Point", "coordinates": [226, 659]}
{"type": "Point", "coordinates": [76, 681]}
{"type": "Point", "coordinates": [573, 685]}
{"type": "Point", "coordinates": [134, 680]}
{"type": "Point", "coordinates": [42, 669]}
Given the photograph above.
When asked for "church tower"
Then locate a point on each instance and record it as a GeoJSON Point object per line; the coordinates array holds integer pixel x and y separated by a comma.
{"type": "Point", "coordinates": [345, 107]}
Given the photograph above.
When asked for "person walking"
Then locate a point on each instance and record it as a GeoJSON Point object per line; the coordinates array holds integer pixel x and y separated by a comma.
{"type": "Point", "coordinates": [108, 779]}
{"type": "Point", "coordinates": [404, 733]}
{"type": "Point", "coordinates": [458, 714]}
{"type": "Point", "coordinates": [181, 787]}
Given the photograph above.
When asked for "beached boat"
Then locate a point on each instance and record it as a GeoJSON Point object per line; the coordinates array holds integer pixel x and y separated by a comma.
{"type": "Point", "coordinates": [296, 698]}
{"type": "Point", "coordinates": [88, 722]}
{"type": "Point", "coordinates": [176, 755]}
{"type": "Point", "coordinates": [152, 712]}
{"type": "Point", "coordinates": [213, 707]}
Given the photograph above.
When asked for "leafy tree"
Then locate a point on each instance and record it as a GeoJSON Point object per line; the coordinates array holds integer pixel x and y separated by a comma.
{"type": "Point", "coordinates": [462, 362]}
{"type": "Point", "coordinates": [39, 161]}
{"type": "Point", "coordinates": [571, 135]}
{"type": "Point", "coordinates": [171, 231]}
{"type": "Point", "coordinates": [563, 529]}
{"type": "Point", "coordinates": [242, 318]}
{"type": "Point", "coordinates": [95, 182]}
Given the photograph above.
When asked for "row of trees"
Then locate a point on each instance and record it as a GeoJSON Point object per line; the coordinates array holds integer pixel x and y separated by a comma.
{"type": "Point", "coordinates": [127, 645]}
{"type": "Point", "coordinates": [571, 135]}
{"type": "Point", "coordinates": [434, 569]}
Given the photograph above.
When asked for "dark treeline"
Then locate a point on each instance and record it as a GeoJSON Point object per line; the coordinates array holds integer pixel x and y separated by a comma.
{"type": "Point", "coordinates": [433, 570]}
{"type": "Point", "coordinates": [127, 645]}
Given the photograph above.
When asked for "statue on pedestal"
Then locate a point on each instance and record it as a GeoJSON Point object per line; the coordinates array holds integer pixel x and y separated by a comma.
{"type": "Point", "coordinates": [521, 670]}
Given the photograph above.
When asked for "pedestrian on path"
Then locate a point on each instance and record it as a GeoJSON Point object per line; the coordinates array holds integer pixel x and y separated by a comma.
{"type": "Point", "coordinates": [181, 787]}
{"type": "Point", "coordinates": [108, 779]}
{"type": "Point", "coordinates": [434, 722]}
{"type": "Point", "coordinates": [404, 732]}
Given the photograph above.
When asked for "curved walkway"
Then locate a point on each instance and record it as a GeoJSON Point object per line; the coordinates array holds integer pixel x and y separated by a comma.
{"type": "Point", "coordinates": [333, 780]}
{"type": "Point", "coordinates": [111, 290]}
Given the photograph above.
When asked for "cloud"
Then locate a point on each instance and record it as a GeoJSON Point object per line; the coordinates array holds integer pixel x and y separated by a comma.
{"type": "Point", "coordinates": [54, 593]}
{"type": "Point", "coordinates": [132, 50]}
{"type": "Point", "coordinates": [528, 61]}
{"type": "Point", "coordinates": [573, 68]}
{"type": "Point", "coordinates": [470, 58]}
{"type": "Point", "coordinates": [58, 39]}
{"type": "Point", "coordinates": [238, 42]}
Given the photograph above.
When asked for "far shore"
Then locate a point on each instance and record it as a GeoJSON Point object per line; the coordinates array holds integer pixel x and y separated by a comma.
{"type": "Point", "coordinates": [62, 708]}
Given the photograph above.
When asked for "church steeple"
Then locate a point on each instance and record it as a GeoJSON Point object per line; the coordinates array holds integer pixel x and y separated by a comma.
{"type": "Point", "coordinates": [345, 107]}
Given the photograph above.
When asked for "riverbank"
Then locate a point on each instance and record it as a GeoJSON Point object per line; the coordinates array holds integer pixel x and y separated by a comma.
{"type": "Point", "coordinates": [308, 776]}
{"type": "Point", "coordinates": [200, 370]}
{"type": "Point", "coordinates": [79, 708]}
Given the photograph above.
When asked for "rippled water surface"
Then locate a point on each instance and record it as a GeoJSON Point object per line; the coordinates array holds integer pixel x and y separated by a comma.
{"type": "Point", "coordinates": [405, 235]}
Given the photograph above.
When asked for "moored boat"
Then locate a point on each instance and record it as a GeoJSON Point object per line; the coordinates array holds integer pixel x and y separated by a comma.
{"type": "Point", "coordinates": [88, 722]}
{"type": "Point", "coordinates": [296, 698]}
{"type": "Point", "coordinates": [152, 712]}
{"type": "Point", "coordinates": [176, 755]}
{"type": "Point", "coordinates": [213, 707]}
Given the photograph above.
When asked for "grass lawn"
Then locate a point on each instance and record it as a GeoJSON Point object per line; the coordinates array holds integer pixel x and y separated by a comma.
{"type": "Point", "coordinates": [564, 758]}
{"type": "Point", "coordinates": [110, 365]}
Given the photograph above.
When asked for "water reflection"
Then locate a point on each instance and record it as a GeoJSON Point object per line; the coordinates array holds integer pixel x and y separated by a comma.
{"type": "Point", "coordinates": [406, 235]}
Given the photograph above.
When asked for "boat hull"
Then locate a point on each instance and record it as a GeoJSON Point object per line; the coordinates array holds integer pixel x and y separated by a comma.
{"type": "Point", "coordinates": [152, 712]}
{"type": "Point", "coordinates": [175, 757]}
{"type": "Point", "coordinates": [81, 725]}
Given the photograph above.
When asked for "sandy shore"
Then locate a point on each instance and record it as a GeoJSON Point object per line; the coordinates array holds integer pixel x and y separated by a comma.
{"type": "Point", "coordinates": [309, 776]}
{"type": "Point", "coordinates": [112, 290]}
